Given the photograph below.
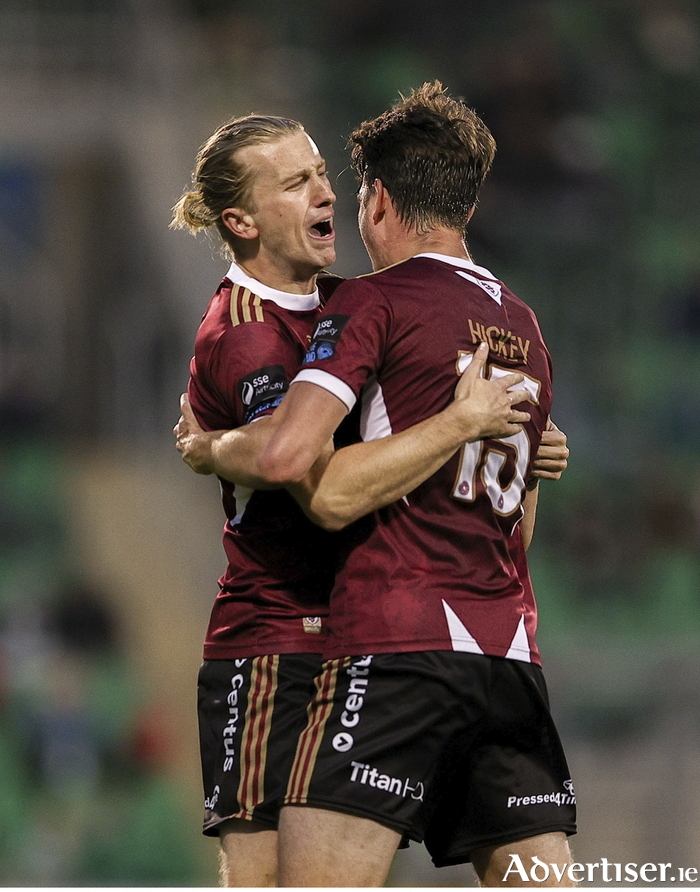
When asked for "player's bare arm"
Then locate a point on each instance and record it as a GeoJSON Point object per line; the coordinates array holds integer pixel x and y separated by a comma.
{"type": "Point", "coordinates": [229, 453]}
{"type": "Point", "coordinates": [367, 476]}
{"type": "Point", "coordinates": [232, 454]}
{"type": "Point", "coordinates": [309, 415]}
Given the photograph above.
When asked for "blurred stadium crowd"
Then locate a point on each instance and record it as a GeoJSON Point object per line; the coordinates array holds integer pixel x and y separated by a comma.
{"type": "Point", "coordinates": [590, 215]}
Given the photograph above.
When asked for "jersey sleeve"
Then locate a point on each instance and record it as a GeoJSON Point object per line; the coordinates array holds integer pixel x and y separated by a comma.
{"type": "Point", "coordinates": [241, 376]}
{"type": "Point", "coordinates": [349, 341]}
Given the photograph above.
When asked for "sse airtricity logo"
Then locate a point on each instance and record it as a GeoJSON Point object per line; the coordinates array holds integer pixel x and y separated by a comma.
{"type": "Point", "coordinates": [262, 390]}
{"type": "Point", "coordinates": [325, 337]}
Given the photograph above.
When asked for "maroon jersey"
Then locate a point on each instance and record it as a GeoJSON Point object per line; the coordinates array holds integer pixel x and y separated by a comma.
{"type": "Point", "coordinates": [443, 568]}
{"type": "Point", "coordinates": [274, 594]}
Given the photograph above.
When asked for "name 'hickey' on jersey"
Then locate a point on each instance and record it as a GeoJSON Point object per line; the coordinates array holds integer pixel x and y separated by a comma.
{"type": "Point", "coordinates": [503, 343]}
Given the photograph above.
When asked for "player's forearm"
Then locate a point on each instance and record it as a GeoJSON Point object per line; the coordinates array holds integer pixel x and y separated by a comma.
{"type": "Point", "coordinates": [233, 455]}
{"type": "Point", "coordinates": [367, 476]}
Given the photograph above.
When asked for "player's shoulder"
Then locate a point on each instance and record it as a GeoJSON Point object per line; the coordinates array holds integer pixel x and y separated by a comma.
{"type": "Point", "coordinates": [238, 318]}
{"type": "Point", "coordinates": [405, 273]}
{"type": "Point", "coordinates": [516, 304]}
{"type": "Point", "coordinates": [246, 311]}
{"type": "Point", "coordinates": [245, 307]}
{"type": "Point", "coordinates": [368, 284]}
{"type": "Point", "coordinates": [387, 273]}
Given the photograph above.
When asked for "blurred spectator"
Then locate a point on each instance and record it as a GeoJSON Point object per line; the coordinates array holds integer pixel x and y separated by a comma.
{"type": "Point", "coordinates": [81, 621]}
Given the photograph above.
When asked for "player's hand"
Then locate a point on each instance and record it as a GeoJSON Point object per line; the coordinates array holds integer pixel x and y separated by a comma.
{"type": "Point", "coordinates": [552, 456]}
{"type": "Point", "coordinates": [193, 443]}
{"type": "Point", "coordinates": [485, 407]}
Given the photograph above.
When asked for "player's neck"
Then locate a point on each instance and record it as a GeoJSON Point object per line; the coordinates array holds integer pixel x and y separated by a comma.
{"type": "Point", "coordinates": [281, 280]}
{"type": "Point", "coordinates": [437, 241]}
{"type": "Point", "coordinates": [441, 241]}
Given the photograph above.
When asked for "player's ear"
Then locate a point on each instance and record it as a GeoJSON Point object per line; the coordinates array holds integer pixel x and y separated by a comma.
{"type": "Point", "coordinates": [240, 223]}
{"type": "Point", "coordinates": [382, 201]}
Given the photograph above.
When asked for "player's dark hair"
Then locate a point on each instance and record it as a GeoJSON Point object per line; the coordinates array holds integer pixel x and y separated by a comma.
{"type": "Point", "coordinates": [220, 180]}
{"type": "Point", "coordinates": [432, 154]}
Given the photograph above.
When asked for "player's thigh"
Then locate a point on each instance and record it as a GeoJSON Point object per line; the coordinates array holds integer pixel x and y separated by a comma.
{"type": "Point", "coordinates": [321, 848]}
{"type": "Point", "coordinates": [537, 861]}
{"type": "Point", "coordinates": [376, 734]}
{"type": "Point", "coordinates": [251, 712]}
{"type": "Point", "coordinates": [248, 854]}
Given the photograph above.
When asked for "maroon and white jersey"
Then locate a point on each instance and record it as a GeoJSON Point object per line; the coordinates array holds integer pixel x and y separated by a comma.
{"type": "Point", "coordinates": [274, 594]}
{"type": "Point", "coordinates": [440, 569]}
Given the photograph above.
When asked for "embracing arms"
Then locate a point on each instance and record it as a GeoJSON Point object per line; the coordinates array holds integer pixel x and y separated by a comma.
{"type": "Point", "coordinates": [341, 486]}
{"type": "Point", "coordinates": [335, 488]}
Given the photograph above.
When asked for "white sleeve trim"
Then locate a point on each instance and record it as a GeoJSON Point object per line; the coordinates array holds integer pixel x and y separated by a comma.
{"type": "Point", "coordinates": [328, 382]}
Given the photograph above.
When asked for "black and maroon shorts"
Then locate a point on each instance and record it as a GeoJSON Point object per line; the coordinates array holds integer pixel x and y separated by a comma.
{"type": "Point", "coordinates": [458, 750]}
{"type": "Point", "coordinates": [251, 712]}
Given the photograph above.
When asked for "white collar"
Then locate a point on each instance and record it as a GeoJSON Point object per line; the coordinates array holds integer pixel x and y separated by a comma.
{"type": "Point", "coordinates": [458, 261]}
{"type": "Point", "coordinates": [284, 299]}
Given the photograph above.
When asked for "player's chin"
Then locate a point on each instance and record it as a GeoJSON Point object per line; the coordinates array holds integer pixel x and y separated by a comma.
{"type": "Point", "coordinates": [325, 251]}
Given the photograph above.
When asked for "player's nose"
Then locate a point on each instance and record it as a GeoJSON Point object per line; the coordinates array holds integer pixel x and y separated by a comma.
{"type": "Point", "coordinates": [324, 193]}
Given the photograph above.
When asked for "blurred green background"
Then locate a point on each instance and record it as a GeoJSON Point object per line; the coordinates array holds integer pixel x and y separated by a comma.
{"type": "Point", "coordinates": [109, 546]}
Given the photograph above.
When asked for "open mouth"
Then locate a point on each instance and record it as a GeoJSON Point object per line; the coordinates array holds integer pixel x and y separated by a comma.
{"type": "Point", "coordinates": [322, 229]}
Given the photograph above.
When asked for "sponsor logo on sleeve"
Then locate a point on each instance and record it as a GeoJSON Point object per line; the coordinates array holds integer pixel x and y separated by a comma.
{"type": "Point", "coordinates": [325, 337]}
{"type": "Point", "coordinates": [262, 390]}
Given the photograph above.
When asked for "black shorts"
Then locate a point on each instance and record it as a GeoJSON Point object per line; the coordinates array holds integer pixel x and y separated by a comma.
{"type": "Point", "coordinates": [455, 749]}
{"type": "Point", "coordinates": [251, 712]}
